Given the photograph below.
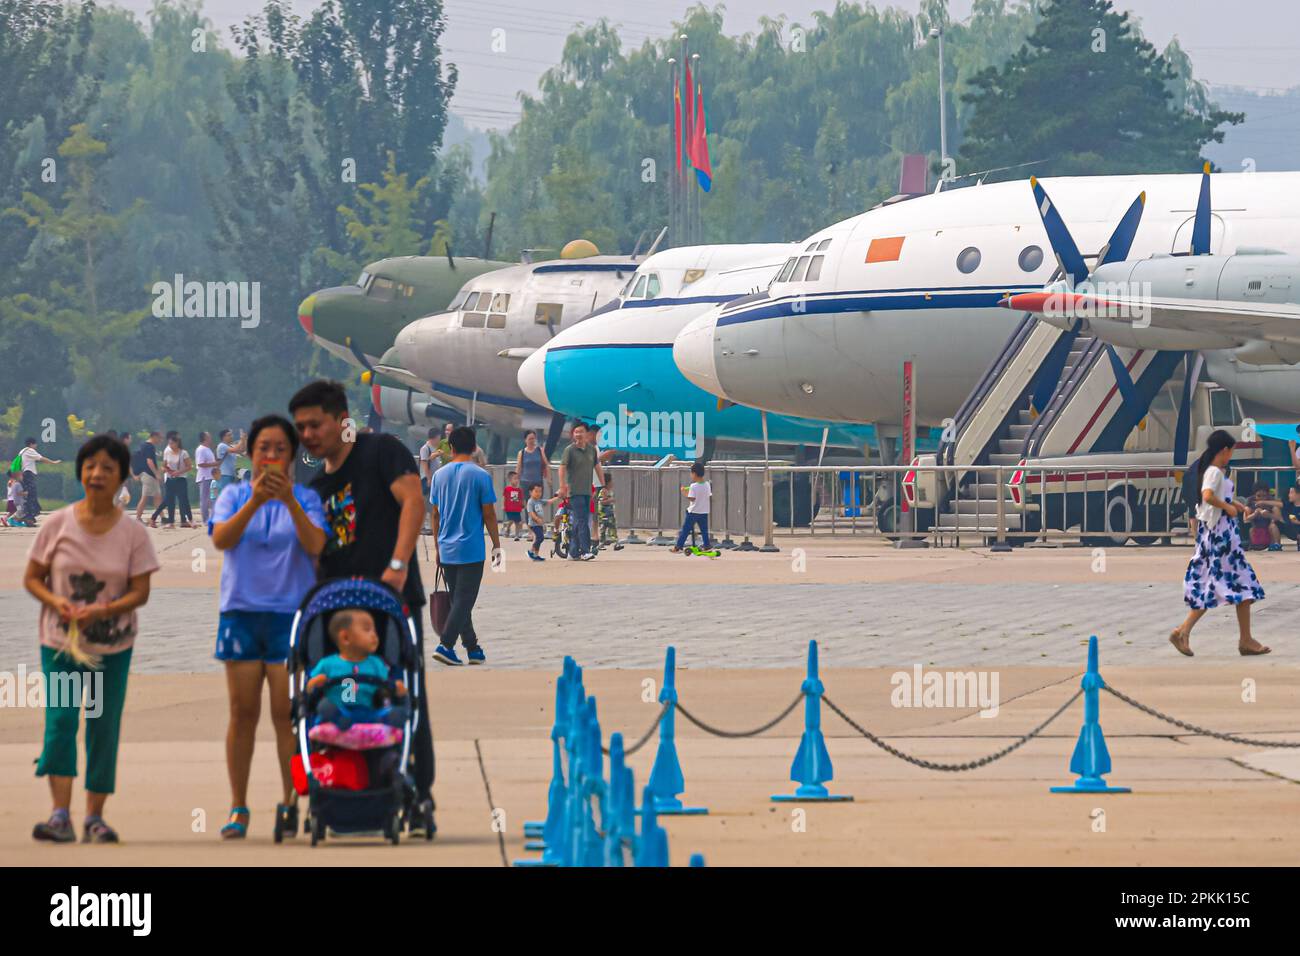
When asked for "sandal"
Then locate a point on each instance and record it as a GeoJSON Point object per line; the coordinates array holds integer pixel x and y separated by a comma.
{"type": "Point", "coordinates": [1253, 651]}
{"type": "Point", "coordinates": [97, 831]}
{"type": "Point", "coordinates": [234, 830]}
{"type": "Point", "coordinates": [1182, 647]}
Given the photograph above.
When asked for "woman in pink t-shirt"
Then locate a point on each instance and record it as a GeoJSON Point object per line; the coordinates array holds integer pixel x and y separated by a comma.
{"type": "Point", "coordinates": [89, 567]}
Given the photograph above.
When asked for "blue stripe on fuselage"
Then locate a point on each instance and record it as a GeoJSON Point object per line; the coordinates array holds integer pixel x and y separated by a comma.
{"type": "Point", "coordinates": [972, 297]}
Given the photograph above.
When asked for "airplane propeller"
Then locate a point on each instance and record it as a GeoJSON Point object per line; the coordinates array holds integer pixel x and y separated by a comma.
{"type": "Point", "coordinates": [1201, 224]}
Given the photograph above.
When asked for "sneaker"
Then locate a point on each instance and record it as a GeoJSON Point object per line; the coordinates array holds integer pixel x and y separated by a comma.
{"type": "Point", "coordinates": [1275, 547]}
{"type": "Point", "coordinates": [446, 655]}
{"type": "Point", "coordinates": [97, 831]}
{"type": "Point", "coordinates": [476, 656]}
{"type": "Point", "coordinates": [57, 829]}
{"type": "Point", "coordinates": [535, 556]}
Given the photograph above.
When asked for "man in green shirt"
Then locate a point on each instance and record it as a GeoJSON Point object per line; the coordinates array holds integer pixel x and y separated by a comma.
{"type": "Point", "coordinates": [578, 465]}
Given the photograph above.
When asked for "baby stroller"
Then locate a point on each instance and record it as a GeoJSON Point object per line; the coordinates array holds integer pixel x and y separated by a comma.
{"type": "Point", "coordinates": [387, 801]}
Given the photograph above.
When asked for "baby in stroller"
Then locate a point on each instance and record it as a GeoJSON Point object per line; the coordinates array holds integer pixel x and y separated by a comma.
{"type": "Point", "coordinates": [356, 702]}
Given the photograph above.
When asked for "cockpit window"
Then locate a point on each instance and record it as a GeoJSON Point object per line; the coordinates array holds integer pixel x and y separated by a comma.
{"type": "Point", "coordinates": [381, 288]}
{"type": "Point", "coordinates": [363, 280]}
{"type": "Point", "coordinates": [627, 289]}
{"type": "Point", "coordinates": [823, 245]}
{"type": "Point", "coordinates": [800, 269]}
{"type": "Point", "coordinates": [652, 285]}
{"type": "Point", "coordinates": [786, 269]}
{"type": "Point", "coordinates": [815, 269]}
{"type": "Point", "coordinates": [501, 302]}
{"type": "Point", "coordinates": [811, 247]}
{"type": "Point", "coordinates": [639, 291]}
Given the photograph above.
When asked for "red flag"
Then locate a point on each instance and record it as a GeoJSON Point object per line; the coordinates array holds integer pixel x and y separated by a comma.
{"type": "Point", "coordinates": [700, 144]}
{"type": "Point", "coordinates": [677, 124]}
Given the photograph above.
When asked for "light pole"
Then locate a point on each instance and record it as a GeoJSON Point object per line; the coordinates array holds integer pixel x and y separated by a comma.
{"type": "Point", "coordinates": [937, 33]}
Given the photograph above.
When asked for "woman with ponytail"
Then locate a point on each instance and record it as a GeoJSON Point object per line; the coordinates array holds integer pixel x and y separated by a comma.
{"type": "Point", "coordinates": [89, 567]}
{"type": "Point", "coordinates": [1218, 573]}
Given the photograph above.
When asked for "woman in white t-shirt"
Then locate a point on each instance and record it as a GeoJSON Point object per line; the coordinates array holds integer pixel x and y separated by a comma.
{"type": "Point", "coordinates": [1218, 573]}
{"type": "Point", "coordinates": [176, 487]}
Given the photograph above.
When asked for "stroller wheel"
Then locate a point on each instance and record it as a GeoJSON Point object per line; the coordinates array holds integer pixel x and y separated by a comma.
{"type": "Point", "coordinates": [317, 830]}
{"type": "Point", "coordinates": [278, 834]}
{"type": "Point", "coordinates": [393, 827]}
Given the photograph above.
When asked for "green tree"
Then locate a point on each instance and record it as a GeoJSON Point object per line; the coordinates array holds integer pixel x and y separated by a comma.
{"type": "Point", "coordinates": [73, 236]}
{"type": "Point", "coordinates": [1085, 95]}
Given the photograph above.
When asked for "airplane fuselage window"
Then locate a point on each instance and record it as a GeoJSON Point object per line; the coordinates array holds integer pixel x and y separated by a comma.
{"type": "Point", "coordinates": [968, 260]}
{"type": "Point", "coordinates": [1031, 257]}
{"type": "Point", "coordinates": [548, 313]}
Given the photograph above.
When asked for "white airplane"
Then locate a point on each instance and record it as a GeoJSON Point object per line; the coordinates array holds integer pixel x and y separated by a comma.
{"type": "Point", "coordinates": [468, 356]}
{"type": "Point", "coordinates": [616, 366]}
{"type": "Point", "coordinates": [923, 279]}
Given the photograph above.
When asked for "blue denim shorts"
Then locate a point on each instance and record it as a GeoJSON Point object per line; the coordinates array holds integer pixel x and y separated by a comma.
{"type": "Point", "coordinates": [254, 636]}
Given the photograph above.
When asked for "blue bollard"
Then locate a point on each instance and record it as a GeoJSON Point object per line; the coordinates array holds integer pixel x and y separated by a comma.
{"type": "Point", "coordinates": [1091, 760]}
{"type": "Point", "coordinates": [612, 818]}
{"type": "Point", "coordinates": [652, 845]}
{"type": "Point", "coordinates": [697, 859]}
{"type": "Point", "coordinates": [537, 828]}
{"type": "Point", "coordinates": [812, 764]}
{"type": "Point", "coordinates": [666, 780]}
{"type": "Point", "coordinates": [593, 793]}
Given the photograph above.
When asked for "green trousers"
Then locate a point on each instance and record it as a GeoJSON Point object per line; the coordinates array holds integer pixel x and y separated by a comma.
{"type": "Point", "coordinates": [105, 696]}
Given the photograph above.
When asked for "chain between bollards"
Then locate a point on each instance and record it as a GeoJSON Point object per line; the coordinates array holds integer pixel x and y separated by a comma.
{"type": "Point", "coordinates": [1232, 738]}
{"type": "Point", "coordinates": [717, 732]}
{"type": "Point", "coordinates": [930, 764]}
{"type": "Point", "coordinates": [645, 737]}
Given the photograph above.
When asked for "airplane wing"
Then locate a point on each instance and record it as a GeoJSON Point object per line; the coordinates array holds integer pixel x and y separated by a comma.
{"type": "Point", "coordinates": [403, 376]}
{"type": "Point", "coordinates": [1271, 321]}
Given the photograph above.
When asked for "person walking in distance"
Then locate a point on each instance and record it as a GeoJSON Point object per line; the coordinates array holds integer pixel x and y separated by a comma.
{"type": "Point", "coordinates": [205, 467]}
{"type": "Point", "coordinates": [29, 459]}
{"type": "Point", "coordinates": [370, 489]}
{"type": "Point", "coordinates": [228, 452]}
{"type": "Point", "coordinates": [463, 506]}
{"type": "Point", "coordinates": [577, 466]}
{"type": "Point", "coordinates": [144, 465]}
{"type": "Point", "coordinates": [1218, 573]}
{"type": "Point", "coordinates": [176, 487]}
{"type": "Point", "coordinates": [428, 454]}
{"type": "Point", "coordinates": [531, 464]}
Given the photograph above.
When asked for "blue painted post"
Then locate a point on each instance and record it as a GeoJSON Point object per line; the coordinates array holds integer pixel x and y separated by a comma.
{"type": "Point", "coordinates": [593, 792]}
{"type": "Point", "coordinates": [697, 859]}
{"type": "Point", "coordinates": [1091, 760]}
{"type": "Point", "coordinates": [537, 828]}
{"type": "Point", "coordinates": [612, 816]}
{"type": "Point", "coordinates": [812, 764]}
{"type": "Point", "coordinates": [575, 746]}
{"type": "Point", "coordinates": [666, 780]}
{"type": "Point", "coordinates": [652, 846]}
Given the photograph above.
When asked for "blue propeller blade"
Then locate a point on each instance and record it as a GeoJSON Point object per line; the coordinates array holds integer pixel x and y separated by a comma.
{"type": "Point", "coordinates": [1121, 240]}
{"type": "Point", "coordinates": [1067, 253]}
{"type": "Point", "coordinates": [1201, 225]}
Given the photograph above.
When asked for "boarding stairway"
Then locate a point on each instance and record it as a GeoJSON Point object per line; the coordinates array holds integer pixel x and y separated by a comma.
{"type": "Point", "coordinates": [1049, 393]}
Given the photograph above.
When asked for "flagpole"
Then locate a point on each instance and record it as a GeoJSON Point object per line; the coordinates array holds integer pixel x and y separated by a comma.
{"type": "Point", "coordinates": [674, 134]}
{"type": "Point", "coordinates": [695, 192]}
{"type": "Point", "coordinates": [688, 234]}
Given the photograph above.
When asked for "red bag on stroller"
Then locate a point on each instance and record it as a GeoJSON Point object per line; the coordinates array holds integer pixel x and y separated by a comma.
{"type": "Point", "coordinates": [334, 767]}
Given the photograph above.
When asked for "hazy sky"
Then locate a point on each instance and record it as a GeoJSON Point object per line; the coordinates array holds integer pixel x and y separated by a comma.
{"type": "Point", "coordinates": [1251, 43]}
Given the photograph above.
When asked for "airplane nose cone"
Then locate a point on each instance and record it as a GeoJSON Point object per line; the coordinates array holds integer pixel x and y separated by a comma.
{"type": "Point", "coordinates": [305, 312]}
{"type": "Point", "coordinates": [532, 378]}
{"type": "Point", "coordinates": [693, 351]}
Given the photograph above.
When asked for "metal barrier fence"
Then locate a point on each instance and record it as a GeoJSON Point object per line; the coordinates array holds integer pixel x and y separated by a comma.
{"type": "Point", "coordinates": [955, 505]}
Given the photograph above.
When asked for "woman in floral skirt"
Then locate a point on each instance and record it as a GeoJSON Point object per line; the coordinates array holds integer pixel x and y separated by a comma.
{"type": "Point", "coordinates": [1218, 572]}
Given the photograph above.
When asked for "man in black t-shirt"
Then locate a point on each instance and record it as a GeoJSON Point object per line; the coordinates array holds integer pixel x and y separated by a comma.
{"type": "Point", "coordinates": [370, 488]}
{"type": "Point", "coordinates": [1290, 526]}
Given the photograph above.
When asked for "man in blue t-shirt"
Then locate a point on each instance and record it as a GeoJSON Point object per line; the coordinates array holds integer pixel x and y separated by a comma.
{"type": "Point", "coordinates": [463, 498]}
